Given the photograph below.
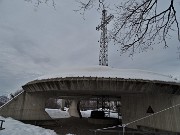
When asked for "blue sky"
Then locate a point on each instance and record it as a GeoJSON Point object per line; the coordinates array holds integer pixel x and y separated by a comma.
{"type": "Point", "coordinates": [36, 41]}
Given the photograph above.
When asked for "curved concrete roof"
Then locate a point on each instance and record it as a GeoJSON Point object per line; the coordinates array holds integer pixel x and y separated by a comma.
{"type": "Point", "coordinates": [104, 81]}
{"type": "Point", "coordinates": [106, 72]}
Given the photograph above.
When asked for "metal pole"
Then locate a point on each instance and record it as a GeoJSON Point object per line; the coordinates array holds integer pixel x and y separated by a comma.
{"type": "Point", "coordinates": [123, 126]}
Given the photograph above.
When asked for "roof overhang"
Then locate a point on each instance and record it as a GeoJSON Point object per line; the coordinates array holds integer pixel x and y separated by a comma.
{"type": "Point", "coordinates": [101, 86]}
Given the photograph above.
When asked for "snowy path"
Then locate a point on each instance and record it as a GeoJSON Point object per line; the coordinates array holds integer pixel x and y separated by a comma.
{"type": "Point", "coordinates": [14, 127]}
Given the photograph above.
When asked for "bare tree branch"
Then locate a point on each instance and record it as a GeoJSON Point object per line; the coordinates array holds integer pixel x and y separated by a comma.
{"type": "Point", "coordinates": [89, 4]}
{"type": "Point", "coordinates": [84, 6]}
{"type": "Point", "coordinates": [139, 24]}
{"type": "Point", "coordinates": [38, 2]}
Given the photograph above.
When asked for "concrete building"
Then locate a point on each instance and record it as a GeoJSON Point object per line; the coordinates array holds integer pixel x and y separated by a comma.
{"type": "Point", "coordinates": [148, 99]}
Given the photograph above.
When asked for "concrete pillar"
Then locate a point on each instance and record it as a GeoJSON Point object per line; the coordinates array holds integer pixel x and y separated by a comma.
{"type": "Point", "coordinates": [135, 107]}
{"type": "Point", "coordinates": [62, 103]}
{"type": "Point", "coordinates": [74, 109]}
{"type": "Point", "coordinates": [26, 106]}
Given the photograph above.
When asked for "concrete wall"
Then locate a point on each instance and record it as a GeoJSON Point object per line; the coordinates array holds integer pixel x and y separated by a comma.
{"type": "Point", "coordinates": [135, 106]}
{"type": "Point", "coordinates": [26, 106]}
{"type": "Point", "coordinates": [31, 106]}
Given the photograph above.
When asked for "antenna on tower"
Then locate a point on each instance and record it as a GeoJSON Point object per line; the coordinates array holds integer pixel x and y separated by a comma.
{"type": "Point", "coordinates": [103, 55]}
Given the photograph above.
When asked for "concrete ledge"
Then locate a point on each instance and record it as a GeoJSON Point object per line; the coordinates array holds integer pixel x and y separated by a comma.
{"type": "Point", "coordinates": [101, 86]}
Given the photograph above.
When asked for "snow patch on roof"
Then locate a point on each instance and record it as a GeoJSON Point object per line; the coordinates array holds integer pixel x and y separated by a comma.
{"type": "Point", "coordinates": [106, 72]}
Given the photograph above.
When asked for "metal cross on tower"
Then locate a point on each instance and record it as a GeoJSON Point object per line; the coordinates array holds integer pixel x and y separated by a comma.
{"type": "Point", "coordinates": [103, 56]}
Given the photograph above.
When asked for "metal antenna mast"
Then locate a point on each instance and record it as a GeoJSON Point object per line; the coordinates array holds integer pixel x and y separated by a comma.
{"type": "Point", "coordinates": [103, 56]}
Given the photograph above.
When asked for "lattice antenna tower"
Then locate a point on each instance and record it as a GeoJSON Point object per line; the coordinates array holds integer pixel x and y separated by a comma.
{"type": "Point", "coordinates": [103, 55]}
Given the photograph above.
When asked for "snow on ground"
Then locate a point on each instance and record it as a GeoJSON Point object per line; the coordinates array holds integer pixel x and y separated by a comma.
{"type": "Point", "coordinates": [14, 127]}
{"type": "Point", "coordinates": [102, 71]}
{"type": "Point", "coordinates": [58, 113]}
{"type": "Point", "coordinates": [86, 114]}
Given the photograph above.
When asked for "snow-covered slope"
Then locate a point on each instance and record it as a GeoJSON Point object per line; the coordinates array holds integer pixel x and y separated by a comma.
{"type": "Point", "coordinates": [14, 127]}
{"type": "Point", "coordinates": [103, 71]}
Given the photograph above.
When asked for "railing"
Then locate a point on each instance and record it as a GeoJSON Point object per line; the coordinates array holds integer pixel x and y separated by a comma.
{"type": "Point", "coordinates": [120, 132]}
{"type": "Point", "coordinates": [11, 99]}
